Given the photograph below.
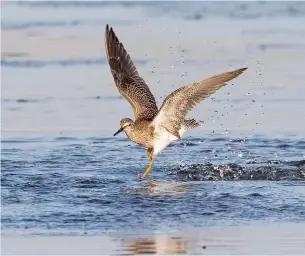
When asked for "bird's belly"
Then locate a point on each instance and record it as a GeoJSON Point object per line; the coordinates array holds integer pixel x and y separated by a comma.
{"type": "Point", "coordinates": [144, 141]}
{"type": "Point", "coordinates": [161, 141]}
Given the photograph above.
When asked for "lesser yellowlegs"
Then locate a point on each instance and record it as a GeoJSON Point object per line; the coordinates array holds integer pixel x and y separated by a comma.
{"type": "Point", "coordinates": [152, 128]}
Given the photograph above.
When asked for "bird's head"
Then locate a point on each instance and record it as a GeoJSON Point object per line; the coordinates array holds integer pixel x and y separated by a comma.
{"type": "Point", "coordinates": [126, 125]}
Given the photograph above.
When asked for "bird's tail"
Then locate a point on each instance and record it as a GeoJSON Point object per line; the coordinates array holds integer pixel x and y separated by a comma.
{"type": "Point", "coordinates": [188, 125]}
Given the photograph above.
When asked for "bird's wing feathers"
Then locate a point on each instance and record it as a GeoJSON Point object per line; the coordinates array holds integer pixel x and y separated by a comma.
{"type": "Point", "coordinates": [126, 77]}
{"type": "Point", "coordinates": [176, 105]}
{"type": "Point", "coordinates": [188, 125]}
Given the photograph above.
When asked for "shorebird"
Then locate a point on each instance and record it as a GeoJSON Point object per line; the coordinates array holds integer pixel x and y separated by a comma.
{"type": "Point", "coordinates": [155, 128]}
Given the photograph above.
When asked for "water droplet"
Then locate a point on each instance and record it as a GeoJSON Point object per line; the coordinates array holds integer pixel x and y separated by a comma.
{"type": "Point", "coordinates": [248, 93]}
{"type": "Point", "coordinates": [172, 65]}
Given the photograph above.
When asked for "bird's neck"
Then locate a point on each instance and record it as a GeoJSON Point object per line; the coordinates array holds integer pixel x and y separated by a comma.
{"type": "Point", "coordinates": [130, 133]}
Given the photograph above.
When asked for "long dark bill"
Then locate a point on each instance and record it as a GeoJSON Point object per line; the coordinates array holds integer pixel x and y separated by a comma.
{"type": "Point", "coordinates": [120, 130]}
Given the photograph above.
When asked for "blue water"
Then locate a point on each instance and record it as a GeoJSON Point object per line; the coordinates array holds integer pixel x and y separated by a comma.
{"type": "Point", "coordinates": [91, 184]}
{"type": "Point", "coordinates": [63, 173]}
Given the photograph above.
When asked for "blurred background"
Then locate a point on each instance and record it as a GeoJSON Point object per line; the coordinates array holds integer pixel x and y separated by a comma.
{"type": "Point", "coordinates": [55, 76]}
{"type": "Point", "coordinates": [62, 172]}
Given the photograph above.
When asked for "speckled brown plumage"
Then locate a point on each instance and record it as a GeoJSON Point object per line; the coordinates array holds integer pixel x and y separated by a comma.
{"type": "Point", "coordinates": [176, 105]}
{"type": "Point", "coordinates": [127, 79]}
{"type": "Point", "coordinates": [155, 129]}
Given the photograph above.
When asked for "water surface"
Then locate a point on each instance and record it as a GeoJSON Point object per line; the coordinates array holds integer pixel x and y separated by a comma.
{"type": "Point", "coordinates": [63, 174]}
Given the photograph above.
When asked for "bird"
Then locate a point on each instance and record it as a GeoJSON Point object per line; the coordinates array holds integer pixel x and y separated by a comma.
{"type": "Point", "coordinates": [154, 128]}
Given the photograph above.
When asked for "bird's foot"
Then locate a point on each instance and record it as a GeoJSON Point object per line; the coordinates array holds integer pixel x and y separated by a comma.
{"type": "Point", "coordinates": [147, 171]}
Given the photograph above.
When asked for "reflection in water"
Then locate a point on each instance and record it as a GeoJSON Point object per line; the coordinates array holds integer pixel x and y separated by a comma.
{"type": "Point", "coordinates": [157, 245]}
{"type": "Point", "coordinates": [154, 187]}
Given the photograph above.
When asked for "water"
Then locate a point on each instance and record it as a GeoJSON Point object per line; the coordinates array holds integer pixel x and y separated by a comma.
{"type": "Point", "coordinates": [63, 174]}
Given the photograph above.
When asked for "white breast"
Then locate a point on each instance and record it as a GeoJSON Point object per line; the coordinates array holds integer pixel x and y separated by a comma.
{"type": "Point", "coordinates": [162, 140]}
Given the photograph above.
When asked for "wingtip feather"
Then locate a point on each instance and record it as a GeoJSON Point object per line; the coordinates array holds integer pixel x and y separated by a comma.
{"type": "Point", "coordinates": [243, 69]}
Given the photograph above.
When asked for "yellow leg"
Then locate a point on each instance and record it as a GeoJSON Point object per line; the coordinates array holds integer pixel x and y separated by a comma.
{"type": "Point", "coordinates": [149, 153]}
{"type": "Point", "coordinates": [149, 168]}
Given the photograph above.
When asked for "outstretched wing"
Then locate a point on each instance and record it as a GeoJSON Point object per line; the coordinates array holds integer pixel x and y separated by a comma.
{"type": "Point", "coordinates": [126, 77]}
{"type": "Point", "coordinates": [176, 105]}
{"type": "Point", "coordinates": [188, 125]}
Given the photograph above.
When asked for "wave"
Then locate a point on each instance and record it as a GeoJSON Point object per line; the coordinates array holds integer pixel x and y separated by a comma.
{"type": "Point", "coordinates": [187, 10]}
{"type": "Point", "coordinates": [60, 62]}
{"type": "Point", "coordinates": [270, 170]}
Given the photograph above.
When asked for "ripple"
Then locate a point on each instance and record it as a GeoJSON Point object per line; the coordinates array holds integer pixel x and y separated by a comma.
{"type": "Point", "coordinates": [195, 11]}
{"type": "Point", "coordinates": [255, 195]}
{"type": "Point", "coordinates": [60, 62]}
{"type": "Point", "coordinates": [53, 184]}
{"type": "Point", "coordinates": [200, 172]}
{"type": "Point", "coordinates": [27, 25]}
